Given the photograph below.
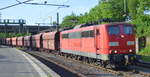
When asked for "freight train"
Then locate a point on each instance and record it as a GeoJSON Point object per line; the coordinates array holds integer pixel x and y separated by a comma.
{"type": "Point", "coordinates": [107, 44]}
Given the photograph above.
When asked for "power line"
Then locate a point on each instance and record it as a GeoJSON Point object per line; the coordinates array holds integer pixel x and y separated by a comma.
{"type": "Point", "coordinates": [25, 2]}
{"type": "Point", "coordinates": [18, 1]}
{"type": "Point", "coordinates": [47, 4]}
{"type": "Point", "coordinates": [15, 4]}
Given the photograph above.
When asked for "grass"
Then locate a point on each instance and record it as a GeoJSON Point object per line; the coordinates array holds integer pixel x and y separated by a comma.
{"type": "Point", "coordinates": [146, 58]}
{"type": "Point", "coordinates": [19, 48]}
{"type": "Point", "coordinates": [145, 54]}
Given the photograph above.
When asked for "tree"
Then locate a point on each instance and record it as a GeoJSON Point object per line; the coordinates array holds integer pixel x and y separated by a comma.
{"type": "Point", "coordinates": [112, 9]}
{"type": "Point", "coordinates": [117, 10]}
{"type": "Point", "coordinates": [132, 7]}
{"type": "Point", "coordinates": [7, 35]}
{"type": "Point", "coordinates": [54, 23]}
{"type": "Point", "coordinates": [141, 19]}
{"type": "Point", "coordinates": [70, 20]}
{"type": "Point", "coordinates": [105, 9]}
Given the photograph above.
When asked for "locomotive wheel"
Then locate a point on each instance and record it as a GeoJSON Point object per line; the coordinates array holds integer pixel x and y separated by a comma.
{"type": "Point", "coordinates": [85, 60]}
{"type": "Point", "coordinates": [67, 56]}
{"type": "Point", "coordinates": [81, 58]}
{"type": "Point", "coordinates": [76, 57]}
{"type": "Point", "coordinates": [103, 63]}
{"type": "Point", "coordinates": [113, 66]}
{"type": "Point", "coordinates": [90, 60]}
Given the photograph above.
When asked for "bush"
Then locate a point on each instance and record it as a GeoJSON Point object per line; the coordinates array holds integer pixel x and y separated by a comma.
{"type": "Point", "coordinates": [145, 51]}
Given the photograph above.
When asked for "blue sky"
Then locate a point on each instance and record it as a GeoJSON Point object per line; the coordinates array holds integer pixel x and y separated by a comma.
{"type": "Point", "coordinates": [43, 14]}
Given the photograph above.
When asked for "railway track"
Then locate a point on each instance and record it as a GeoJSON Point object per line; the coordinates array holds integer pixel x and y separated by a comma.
{"type": "Point", "coordinates": [76, 67]}
{"type": "Point", "coordinates": [92, 70]}
{"type": "Point", "coordinates": [132, 71]}
{"type": "Point", "coordinates": [128, 72]}
{"type": "Point", "coordinates": [142, 70]}
{"type": "Point", "coordinates": [143, 64]}
{"type": "Point", "coordinates": [62, 70]}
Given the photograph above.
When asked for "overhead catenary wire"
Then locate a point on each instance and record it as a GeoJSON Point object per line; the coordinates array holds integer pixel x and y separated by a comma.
{"type": "Point", "coordinates": [14, 4]}
{"type": "Point", "coordinates": [18, 1]}
{"type": "Point", "coordinates": [47, 4]}
{"type": "Point", "coordinates": [25, 2]}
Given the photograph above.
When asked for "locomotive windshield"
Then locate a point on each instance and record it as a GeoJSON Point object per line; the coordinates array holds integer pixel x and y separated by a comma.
{"type": "Point", "coordinates": [128, 29]}
{"type": "Point", "coordinates": [113, 30]}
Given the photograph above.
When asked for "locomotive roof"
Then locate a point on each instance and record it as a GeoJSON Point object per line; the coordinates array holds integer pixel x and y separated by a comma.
{"type": "Point", "coordinates": [79, 27]}
{"type": "Point", "coordinates": [112, 23]}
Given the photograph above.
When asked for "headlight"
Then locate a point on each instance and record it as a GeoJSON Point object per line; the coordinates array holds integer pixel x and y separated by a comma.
{"type": "Point", "coordinates": [113, 43]}
{"type": "Point", "coordinates": [130, 50]}
{"type": "Point", "coordinates": [113, 51]}
{"type": "Point", "coordinates": [130, 42]}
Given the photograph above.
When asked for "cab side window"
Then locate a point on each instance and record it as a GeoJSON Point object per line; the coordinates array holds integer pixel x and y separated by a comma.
{"type": "Point", "coordinates": [86, 34]}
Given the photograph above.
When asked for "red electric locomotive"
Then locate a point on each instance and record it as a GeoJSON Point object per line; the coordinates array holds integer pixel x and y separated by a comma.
{"type": "Point", "coordinates": [112, 43]}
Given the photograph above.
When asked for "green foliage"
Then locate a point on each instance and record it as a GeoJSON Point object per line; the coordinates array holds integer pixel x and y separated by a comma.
{"type": "Point", "coordinates": [146, 58]}
{"type": "Point", "coordinates": [54, 23]}
{"type": "Point", "coordinates": [112, 9]}
{"type": "Point", "coordinates": [132, 8]}
{"type": "Point", "coordinates": [70, 20]}
{"type": "Point", "coordinates": [6, 35]}
{"type": "Point", "coordinates": [141, 20]}
{"type": "Point", "coordinates": [142, 25]}
{"type": "Point", "coordinates": [105, 9]}
{"type": "Point", "coordinates": [116, 10]}
{"type": "Point", "coordinates": [145, 53]}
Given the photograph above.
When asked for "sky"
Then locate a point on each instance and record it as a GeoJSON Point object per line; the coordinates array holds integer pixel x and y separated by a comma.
{"type": "Point", "coordinates": [44, 14]}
